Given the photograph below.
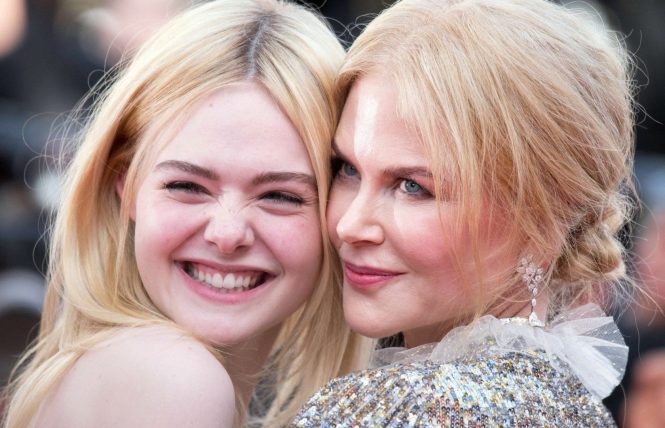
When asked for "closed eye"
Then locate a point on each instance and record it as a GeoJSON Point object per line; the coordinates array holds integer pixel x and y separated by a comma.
{"type": "Point", "coordinates": [185, 186]}
{"type": "Point", "coordinates": [283, 198]}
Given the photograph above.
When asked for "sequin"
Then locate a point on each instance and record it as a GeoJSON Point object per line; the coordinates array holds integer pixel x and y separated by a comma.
{"type": "Point", "coordinates": [488, 389]}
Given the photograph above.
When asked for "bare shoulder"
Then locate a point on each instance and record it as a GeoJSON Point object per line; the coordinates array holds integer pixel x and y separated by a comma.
{"type": "Point", "coordinates": [149, 376]}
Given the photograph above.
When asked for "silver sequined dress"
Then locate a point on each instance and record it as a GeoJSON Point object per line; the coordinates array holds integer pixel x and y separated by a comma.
{"type": "Point", "coordinates": [498, 375]}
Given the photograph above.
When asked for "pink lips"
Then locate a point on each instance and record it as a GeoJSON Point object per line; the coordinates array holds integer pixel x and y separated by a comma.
{"type": "Point", "coordinates": [365, 276]}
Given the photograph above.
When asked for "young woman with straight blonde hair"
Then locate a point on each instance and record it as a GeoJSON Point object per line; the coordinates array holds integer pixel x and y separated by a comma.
{"type": "Point", "coordinates": [484, 157]}
{"type": "Point", "coordinates": [190, 233]}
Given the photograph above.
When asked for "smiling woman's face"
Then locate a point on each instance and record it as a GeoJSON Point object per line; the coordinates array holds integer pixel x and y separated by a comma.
{"type": "Point", "coordinates": [400, 252]}
{"type": "Point", "coordinates": [227, 235]}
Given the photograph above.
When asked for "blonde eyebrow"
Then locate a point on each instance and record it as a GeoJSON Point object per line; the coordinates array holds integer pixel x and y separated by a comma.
{"type": "Point", "coordinates": [280, 177]}
{"type": "Point", "coordinates": [407, 171]}
{"type": "Point", "coordinates": [189, 168]}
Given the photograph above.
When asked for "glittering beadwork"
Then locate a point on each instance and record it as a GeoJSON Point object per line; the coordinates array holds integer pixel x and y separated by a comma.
{"type": "Point", "coordinates": [488, 389]}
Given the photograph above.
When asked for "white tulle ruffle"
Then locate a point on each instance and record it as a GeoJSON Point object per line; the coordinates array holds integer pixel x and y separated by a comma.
{"type": "Point", "coordinates": [587, 340]}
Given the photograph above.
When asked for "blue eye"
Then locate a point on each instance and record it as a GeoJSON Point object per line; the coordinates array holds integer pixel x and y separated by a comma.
{"type": "Point", "coordinates": [348, 170]}
{"type": "Point", "coordinates": [409, 186]}
{"type": "Point", "coordinates": [342, 170]}
{"type": "Point", "coordinates": [412, 188]}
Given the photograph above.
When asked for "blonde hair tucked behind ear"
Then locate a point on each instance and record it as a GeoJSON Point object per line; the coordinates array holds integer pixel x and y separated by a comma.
{"type": "Point", "coordinates": [526, 104]}
{"type": "Point", "coordinates": [93, 285]}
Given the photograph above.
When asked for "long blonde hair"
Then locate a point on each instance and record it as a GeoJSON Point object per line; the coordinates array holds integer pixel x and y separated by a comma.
{"type": "Point", "coordinates": [93, 283]}
{"type": "Point", "coordinates": [528, 105]}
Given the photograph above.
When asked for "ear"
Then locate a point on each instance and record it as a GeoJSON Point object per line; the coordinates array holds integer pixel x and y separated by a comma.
{"type": "Point", "coordinates": [120, 190]}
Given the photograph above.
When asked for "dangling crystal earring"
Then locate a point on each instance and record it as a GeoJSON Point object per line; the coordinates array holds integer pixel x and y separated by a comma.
{"type": "Point", "coordinates": [532, 276]}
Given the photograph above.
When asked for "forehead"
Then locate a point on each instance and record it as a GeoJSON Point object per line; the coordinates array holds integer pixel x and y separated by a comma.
{"type": "Point", "coordinates": [371, 123]}
{"type": "Point", "coordinates": [372, 101]}
{"type": "Point", "coordinates": [240, 122]}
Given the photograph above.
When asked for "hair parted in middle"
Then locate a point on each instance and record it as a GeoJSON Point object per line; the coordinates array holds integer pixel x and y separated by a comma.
{"type": "Point", "coordinates": [526, 112]}
{"type": "Point", "coordinates": [94, 284]}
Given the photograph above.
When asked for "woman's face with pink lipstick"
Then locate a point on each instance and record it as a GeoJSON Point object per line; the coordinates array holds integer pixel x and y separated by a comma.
{"type": "Point", "coordinates": [227, 235]}
{"type": "Point", "coordinates": [399, 251]}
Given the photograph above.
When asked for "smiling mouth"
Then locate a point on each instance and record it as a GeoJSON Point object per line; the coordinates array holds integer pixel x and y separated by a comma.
{"type": "Point", "coordinates": [226, 282]}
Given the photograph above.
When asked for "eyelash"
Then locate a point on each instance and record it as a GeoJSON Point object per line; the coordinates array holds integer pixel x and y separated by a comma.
{"type": "Point", "coordinates": [283, 198]}
{"type": "Point", "coordinates": [338, 165]}
{"type": "Point", "coordinates": [185, 186]}
{"type": "Point", "coordinates": [193, 188]}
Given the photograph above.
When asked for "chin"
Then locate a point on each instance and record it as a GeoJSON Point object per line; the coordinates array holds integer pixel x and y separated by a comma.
{"type": "Point", "coordinates": [366, 328]}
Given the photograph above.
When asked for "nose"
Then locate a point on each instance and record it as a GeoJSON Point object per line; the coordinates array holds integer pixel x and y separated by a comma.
{"type": "Point", "coordinates": [360, 222]}
{"type": "Point", "coordinates": [229, 229]}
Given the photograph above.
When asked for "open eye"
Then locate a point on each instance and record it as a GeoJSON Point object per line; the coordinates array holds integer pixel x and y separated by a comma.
{"type": "Point", "coordinates": [349, 170]}
{"type": "Point", "coordinates": [412, 188]}
{"type": "Point", "coordinates": [343, 169]}
{"type": "Point", "coordinates": [408, 186]}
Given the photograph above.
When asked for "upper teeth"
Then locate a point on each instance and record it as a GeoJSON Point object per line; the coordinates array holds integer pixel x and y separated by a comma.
{"type": "Point", "coordinates": [227, 281]}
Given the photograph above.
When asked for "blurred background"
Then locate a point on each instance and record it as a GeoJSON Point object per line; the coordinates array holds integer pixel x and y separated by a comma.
{"type": "Point", "coordinates": [53, 51]}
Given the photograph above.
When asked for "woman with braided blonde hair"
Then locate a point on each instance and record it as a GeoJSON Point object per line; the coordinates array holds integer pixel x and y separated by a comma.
{"type": "Point", "coordinates": [482, 162]}
{"type": "Point", "coordinates": [187, 254]}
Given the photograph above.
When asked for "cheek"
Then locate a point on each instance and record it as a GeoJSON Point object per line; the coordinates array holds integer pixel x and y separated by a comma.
{"type": "Point", "coordinates": [425, 239]}
{"type": "Point", "coordinates": [156, 234]}
{"type": "Point", "coordinates": [161, 226]}
{"type": "Point", "coordinates": [297, 244]}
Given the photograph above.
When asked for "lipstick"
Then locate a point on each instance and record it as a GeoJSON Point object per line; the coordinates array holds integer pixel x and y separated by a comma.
{"type": "Point", "coordinates": [365, 277]}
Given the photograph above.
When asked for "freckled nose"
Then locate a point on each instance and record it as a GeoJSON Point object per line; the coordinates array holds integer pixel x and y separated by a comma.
{"type": "Point", "coordinates": [360, 223]}
{"type": "Point", "coordinates": [229, 231]}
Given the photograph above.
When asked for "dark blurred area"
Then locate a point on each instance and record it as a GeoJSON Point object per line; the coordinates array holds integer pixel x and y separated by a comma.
{"type": "Point", "coordinates": [53, 51]}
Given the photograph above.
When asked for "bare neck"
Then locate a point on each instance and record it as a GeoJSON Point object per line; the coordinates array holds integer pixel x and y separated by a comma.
{"type": "Point", "coordinates": [434, 333]}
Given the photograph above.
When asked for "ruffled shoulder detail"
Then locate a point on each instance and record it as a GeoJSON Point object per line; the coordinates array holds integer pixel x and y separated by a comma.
{"type": "Point", "coordinates": [584, 341]}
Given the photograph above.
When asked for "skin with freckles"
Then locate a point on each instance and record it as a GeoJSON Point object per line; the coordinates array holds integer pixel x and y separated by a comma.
{"type": "Point", "coordinates": [216, 217]}
{"type": "Point", "coordinates": [406, 266]}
